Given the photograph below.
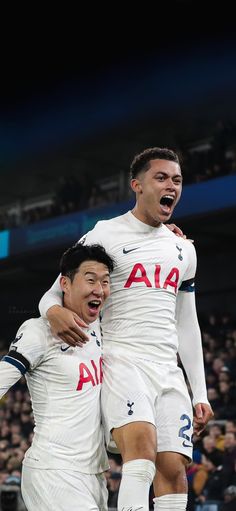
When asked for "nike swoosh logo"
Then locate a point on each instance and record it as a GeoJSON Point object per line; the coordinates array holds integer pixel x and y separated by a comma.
{"type": "Point", "coordinates": [130, 250]}
{"type": "Point", "coordinates": [186, 445]}
{"type": "Point", "coordinates": [64, 349]}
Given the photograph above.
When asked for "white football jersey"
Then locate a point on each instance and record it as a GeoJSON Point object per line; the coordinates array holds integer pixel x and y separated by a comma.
{"type": "Point", "coordinates": [152, 265]}
{"type": "Point", "coordinates": [64, 384]}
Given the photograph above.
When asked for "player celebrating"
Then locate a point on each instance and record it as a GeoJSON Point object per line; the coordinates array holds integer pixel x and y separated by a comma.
{"type": "Point", "coordinates": [149, 317]}
{"type": "Point", "coordinates": [63, 468]}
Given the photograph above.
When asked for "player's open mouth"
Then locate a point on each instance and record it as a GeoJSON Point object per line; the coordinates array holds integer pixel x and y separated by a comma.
{"type": "Point", "coordinates": [166, 203]}
{"type": "Point", "coordinates": [94, 305]}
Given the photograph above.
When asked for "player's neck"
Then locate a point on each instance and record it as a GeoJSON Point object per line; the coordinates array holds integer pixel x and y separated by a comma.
{"type": "Point", "coordinates": [143, 217]}
{"type": "Point", "coordinates": [67, 305]}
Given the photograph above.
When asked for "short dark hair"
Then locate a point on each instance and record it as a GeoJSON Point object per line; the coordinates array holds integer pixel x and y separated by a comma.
{"type": "Point", "coordinates": [74, 256]}
{"type": "Point", "coordinates": [141, 161]}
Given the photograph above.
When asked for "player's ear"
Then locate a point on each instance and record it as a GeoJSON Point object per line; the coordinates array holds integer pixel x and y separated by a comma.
{"type": "Point", "coordinates": [64, 283]}
{"type": "Point", "coordinates": [136, 185]}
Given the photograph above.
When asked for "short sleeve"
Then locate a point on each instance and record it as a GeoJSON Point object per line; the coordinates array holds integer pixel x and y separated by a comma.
{"type": "Point", "coordinates": [29, 346]}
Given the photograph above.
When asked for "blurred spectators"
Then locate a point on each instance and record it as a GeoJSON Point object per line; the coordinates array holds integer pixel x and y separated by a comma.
{"type": "Point", "coordinates": [230, 427]}
{"type": "Point", "coordinates": [69, 196]}
{"type": "Point", "coordinates": [202, 160]}
{"type": "Point", "coordinates": [229, 460]}
{"type": "Point", "coordinates": [216, 433]}
{"type": "Point", "coordinates": [97, 197]}
{"type": "Point", "coordinates": [229, 499]}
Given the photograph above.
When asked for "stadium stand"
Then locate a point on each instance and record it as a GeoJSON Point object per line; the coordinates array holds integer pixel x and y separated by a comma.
{"type": "Point", "coordinates": [202, 159]}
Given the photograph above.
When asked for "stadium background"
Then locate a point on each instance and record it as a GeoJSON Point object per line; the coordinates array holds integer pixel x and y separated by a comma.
{"type": "Point", "coordinates": [85, 121]}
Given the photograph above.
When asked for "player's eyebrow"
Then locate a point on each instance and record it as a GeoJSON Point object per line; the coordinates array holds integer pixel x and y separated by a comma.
{"type": "Point", "coordinates": [165, 174]}
{"type": "Point", "coordinates": [92, 273]}
{"type": "Point", "coordinates": [106, 274]}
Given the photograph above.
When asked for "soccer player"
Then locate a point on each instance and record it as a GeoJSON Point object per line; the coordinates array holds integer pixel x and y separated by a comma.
{"type": "Point", "coordinates": [149, 317]}
{"type": "Point", "coordinates": [63, 468]}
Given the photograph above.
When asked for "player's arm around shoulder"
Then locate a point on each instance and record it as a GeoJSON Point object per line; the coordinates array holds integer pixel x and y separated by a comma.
{"type": "Point", "coordinates": [101, 234]}
{"type": "Point", "coordinates": [65, 323]}
{"type": "Point", "coordinates": [178, 232]}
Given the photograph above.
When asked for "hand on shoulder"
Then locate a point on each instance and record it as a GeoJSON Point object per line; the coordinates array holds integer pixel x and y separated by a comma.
{"type": "Point", "coordinates": [178, 232]}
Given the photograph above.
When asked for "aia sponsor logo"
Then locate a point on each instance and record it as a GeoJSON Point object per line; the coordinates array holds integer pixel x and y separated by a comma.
{"type": "Point", "coordinates": [139, 275]}
{"type": "Point", "coordinates": [90, 373]}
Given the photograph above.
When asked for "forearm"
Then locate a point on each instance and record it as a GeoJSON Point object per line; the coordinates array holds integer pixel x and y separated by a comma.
{"type": "Point", "coordinates": [190, 346]}
{"type": "Point", "coordinates": [52, 297]}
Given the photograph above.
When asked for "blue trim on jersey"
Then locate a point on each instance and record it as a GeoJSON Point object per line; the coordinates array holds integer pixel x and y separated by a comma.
{"type": "Point", "coordinates": [188, 286]}
{"type": "Point", "coordinates": [15, 363]}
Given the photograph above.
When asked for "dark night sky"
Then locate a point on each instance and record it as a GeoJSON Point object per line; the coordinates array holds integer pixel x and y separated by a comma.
{"type": "Point", "coordinates": [42, 58]}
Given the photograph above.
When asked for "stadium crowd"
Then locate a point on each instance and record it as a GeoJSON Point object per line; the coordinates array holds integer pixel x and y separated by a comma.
{"type": "Point", "coordinates": [212, 474]}
{"type": "Point", "coordinates": [205, 159]}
